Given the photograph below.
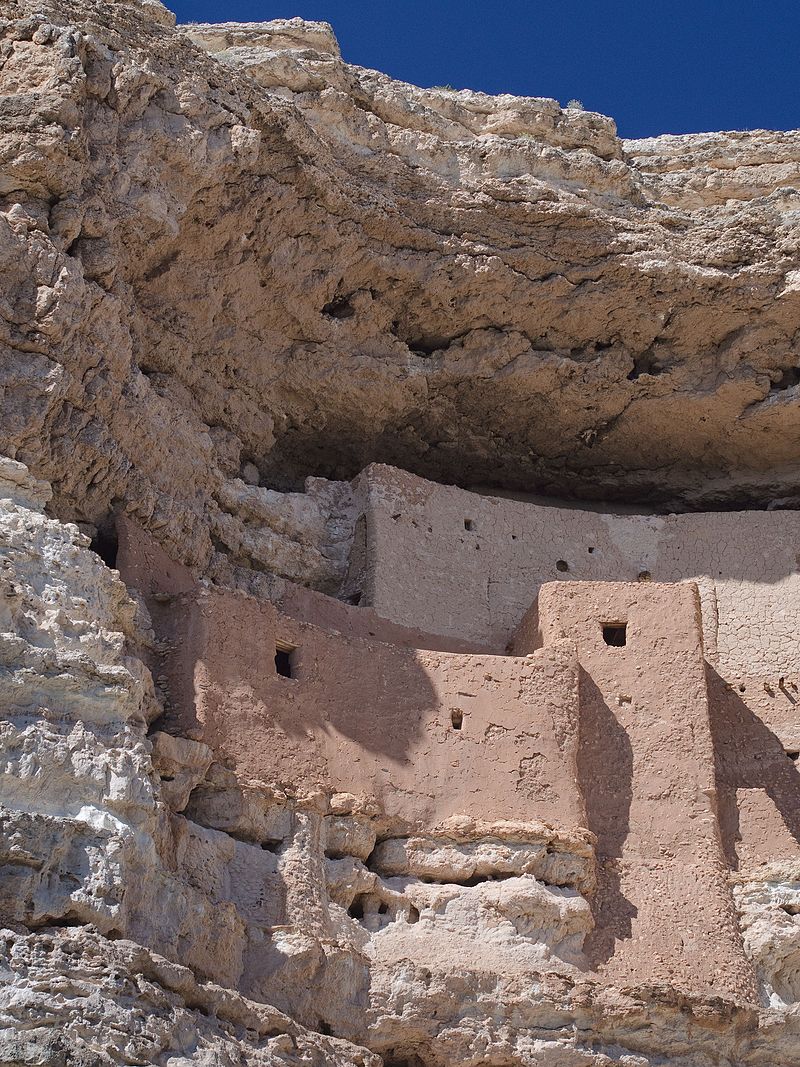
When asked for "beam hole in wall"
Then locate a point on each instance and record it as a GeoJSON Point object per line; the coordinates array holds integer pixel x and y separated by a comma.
{"type": "Point", "coordinates": [457, 718]}
{"type": "Point", "coordinates": [590, 549]}
{"type": "Point", "coordinates": [285, 664]}
{"type": "Point", "coordinates": [615, 634]}
{"type": "Point", "coordinates": [469, 525]}
{"type": "Point", "coordinates": [562, 565]}
{"type": "Point", "coordinates": [644, 576]}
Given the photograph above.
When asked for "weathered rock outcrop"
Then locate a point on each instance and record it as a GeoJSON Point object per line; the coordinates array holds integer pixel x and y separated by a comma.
{"type": "Point", "coordinates": [234, 271]}
{"type": "Point", "coordinates": [264, 263]}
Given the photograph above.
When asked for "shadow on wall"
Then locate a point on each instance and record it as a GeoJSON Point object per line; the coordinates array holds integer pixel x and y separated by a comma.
{"type": "Point", "coordinates": [605, 777]}
{"type": "Point", "coordinates": [748, 755]}
{"type": "Point", "coordinates": [283, 700]}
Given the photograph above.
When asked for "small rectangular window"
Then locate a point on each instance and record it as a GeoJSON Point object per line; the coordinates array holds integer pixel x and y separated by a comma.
{"type": "Point", "coordinates": [615, 634]}
{"type": "Point", "coordinates": [284, 659]}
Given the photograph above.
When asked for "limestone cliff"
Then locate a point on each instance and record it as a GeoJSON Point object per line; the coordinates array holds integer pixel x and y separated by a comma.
{"type": "Point", "coordinates": [294, 766]}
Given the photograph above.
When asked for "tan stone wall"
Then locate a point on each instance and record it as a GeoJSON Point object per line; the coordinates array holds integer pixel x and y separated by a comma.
{"type": "Point", "coordinates": [425, 568]}
{"type": "Point", "coordinates": [427, 734]}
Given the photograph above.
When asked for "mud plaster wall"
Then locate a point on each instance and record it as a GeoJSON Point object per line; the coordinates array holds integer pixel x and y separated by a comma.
{"type": "Point", "coordinates": [144, 566]}
{"type": "Point", "coordinates": [756, 745]}
{"type": "Point", "coordinates": [663, 908]}
{"type": "Point", "coordinates": [428, 734]}
{"type": "Point", "coordinates": [454, 562]}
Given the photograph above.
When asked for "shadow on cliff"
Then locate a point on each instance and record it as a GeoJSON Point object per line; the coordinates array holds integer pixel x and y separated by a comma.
{"type": "Point", "coordinates": [605, 776]}
{"type": "Point", "coordinates": [747, 755]}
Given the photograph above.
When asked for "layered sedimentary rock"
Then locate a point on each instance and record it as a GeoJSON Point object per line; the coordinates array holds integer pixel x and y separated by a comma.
{"type": "Point", "coordinates": [309, 759]}
{"type": "Point", "coordinates": [299, 267]}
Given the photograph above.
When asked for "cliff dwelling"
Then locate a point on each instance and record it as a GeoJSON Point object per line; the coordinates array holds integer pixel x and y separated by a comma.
{"type": "Point", "coordinates": [617, 746]}
{"type": "Point", "coordinates": [399, 566]}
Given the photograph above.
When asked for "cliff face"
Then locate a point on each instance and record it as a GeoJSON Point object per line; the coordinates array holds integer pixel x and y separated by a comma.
{"type": "Point", "coordinates": [234, 271]}
{"type": "Point", "coordinates": [265, 259]}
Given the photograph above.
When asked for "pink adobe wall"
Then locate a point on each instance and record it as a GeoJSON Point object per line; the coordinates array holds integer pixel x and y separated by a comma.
{"type": "Point", "coordinates": [365, 717]}
{"type": "Point", "coordinates": [756, 728]}
{"type": "Point", "coordinates": [145, 566]}
{"type": "Point", "coordinates": [663, 909]}
{"type": "Point", "coordinates": [424, 566]}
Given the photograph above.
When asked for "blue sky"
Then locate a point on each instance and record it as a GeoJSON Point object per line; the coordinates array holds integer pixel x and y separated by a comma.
{"type": "Point", "coordinates": [655, 66]}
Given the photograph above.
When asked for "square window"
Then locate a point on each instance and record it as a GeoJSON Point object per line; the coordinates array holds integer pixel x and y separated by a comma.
{"type": "Point", "coordinates": [285, 660]}
{"type": "Point", "coordinates": [615, 634]}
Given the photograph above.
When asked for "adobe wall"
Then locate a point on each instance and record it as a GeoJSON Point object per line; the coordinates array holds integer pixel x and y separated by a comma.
{"type": "Point", "coordinates": [424, 567]}
{"type": "Point", "coordinates": [144, 566]}
{"type": "Point", "coordinates": [663, 908]}
{"type": "Point", "coordinates": [756, 729]}
{"type": "Point", "coordinates": [427, 734]}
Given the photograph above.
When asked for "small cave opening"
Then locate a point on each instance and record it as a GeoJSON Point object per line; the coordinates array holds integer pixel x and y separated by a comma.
{"type": "Point", "coordinates": [422, 344]}
{"type": "Point", "coordinates": [356, 909]}
{"type": "Point", "coordinates": [339, 308]}
{"type": "Point", "coordinates": [645, 364]}
{"type": "Point", "coordinates": [793, 754]}
{"type": "Point", "coordinates": [789, 377]}
{"type": "Point", "coordinates": [456, 718]}
{"type": "Point", "coordinates": [399, 1058]}
{"type": "Point", "coordinates": [105, 544]}
{"type": "Point", "coordinates": [615, 634]}
{"type": "Point", "coordinates": [285, 664]}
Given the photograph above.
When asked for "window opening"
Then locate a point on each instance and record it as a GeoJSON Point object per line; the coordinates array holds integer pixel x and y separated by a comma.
{"type": "Point", "coordinates": [615, 634]}
{"type": "Point", "coordinates": [284, 660]}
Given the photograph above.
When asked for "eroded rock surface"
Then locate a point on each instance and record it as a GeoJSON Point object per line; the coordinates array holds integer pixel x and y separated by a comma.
{"type": "Point", "coordinates": [317, 776]}
{"type": "Point", "coordinates": [229, 257]}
